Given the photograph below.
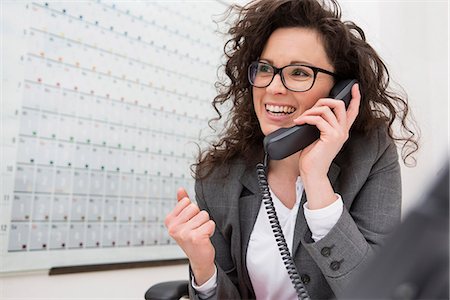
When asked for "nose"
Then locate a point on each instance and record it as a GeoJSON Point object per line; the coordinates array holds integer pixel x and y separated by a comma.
{"type": "Point", "coordinates": [276, 86]}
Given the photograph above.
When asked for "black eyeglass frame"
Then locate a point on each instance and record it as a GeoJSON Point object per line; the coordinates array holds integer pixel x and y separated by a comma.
{"type": "Point", "coordinates": [280, 71]}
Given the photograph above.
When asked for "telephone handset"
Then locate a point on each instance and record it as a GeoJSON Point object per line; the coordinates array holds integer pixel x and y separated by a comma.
{"type": "Point", "coordinates": [278, 145]}
{"type": "Point", "coordinates": [286, 141]}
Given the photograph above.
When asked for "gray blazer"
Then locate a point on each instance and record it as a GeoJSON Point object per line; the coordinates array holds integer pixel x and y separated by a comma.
{"type": "Point", "coordinates": [366, 173]}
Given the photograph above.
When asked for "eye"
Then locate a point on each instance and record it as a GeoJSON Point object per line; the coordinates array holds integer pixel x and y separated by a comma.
{"type": "Point", "coordinates": [300, 72]}
{"type": "Point", "coordinates": [264, 68]}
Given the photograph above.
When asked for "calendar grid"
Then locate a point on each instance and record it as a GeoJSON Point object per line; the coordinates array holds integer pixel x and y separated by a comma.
{"type": "Point", "coordinates": [113, 102]}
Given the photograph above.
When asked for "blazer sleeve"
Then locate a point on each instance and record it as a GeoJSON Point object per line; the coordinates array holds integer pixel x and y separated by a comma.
{"type": "Point", "coordinates": [226, 270]}
{"type": "Point", "coordinates": [362, 227]}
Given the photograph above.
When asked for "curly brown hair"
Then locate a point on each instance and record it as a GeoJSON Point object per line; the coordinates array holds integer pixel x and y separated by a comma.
{"type": "Point", "coordinates": [347, 50]}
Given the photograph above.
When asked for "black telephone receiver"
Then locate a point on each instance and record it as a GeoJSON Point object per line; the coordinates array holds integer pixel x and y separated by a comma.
{"type": "Point", "coordinates": [286, 141]}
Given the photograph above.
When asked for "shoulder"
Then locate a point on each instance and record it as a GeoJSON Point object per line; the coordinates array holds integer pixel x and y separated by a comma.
{"type": "Point", "coordinates": [365, 153]}
{"type": "Point", "coordinates": [368, 166]}
{"type": "Point", "coordinates": [223, 180]}
{"type": "Point", "coordinates": [221, 172]}
{"type": "Point", "coordinates": [368, 145]}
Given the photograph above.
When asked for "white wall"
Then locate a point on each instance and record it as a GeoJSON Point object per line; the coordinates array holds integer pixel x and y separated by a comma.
{"type": "Point", "coordinates": [412, 37]}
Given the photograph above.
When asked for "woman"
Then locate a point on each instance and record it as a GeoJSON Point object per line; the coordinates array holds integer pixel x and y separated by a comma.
{"type": "Point", "coordinates": [336, 200]}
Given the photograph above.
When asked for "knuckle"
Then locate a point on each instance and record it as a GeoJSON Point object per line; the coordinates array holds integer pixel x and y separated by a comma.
{"type": "Point", "coordinates": [201, 218]}
{"type": "Point", "coordinates": [196, 238]}
{"type": "Point", "coordinates": [171, 230]}
{"type": "Point", "coordinates": [213, 226]}
{"type": "Point", "coordinates": [342, 135]}
{"type": "Point", "coordinates": [194, 208]}
{"type": "Point", "coordinates": [212, 223]}
{"type": "Point", "coordinates": [205, 214]}
{"type": "Point", "coordinates": [168, 220]}
{"type": "Point", "coordinates": [184, 235]}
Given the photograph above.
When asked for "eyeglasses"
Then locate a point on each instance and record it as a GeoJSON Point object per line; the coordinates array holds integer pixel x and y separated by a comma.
{"type": "Point", "coordinates": [295, 77]}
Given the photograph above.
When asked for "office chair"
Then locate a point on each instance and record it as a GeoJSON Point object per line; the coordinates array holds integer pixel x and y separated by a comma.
{"type": "Point", "coordinates": [169, 290]}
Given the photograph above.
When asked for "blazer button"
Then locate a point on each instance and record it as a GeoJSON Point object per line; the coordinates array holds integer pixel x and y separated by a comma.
{"type": "Point", "coordinates": [326, 251]}
{"type": "Point", "coordinates": [335, 265]}
{"type": "Point", "coordinates": [305, 278]}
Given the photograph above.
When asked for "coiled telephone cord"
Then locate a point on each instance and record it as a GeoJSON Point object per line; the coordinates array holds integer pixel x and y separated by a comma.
{"type": "Point", "coordinates": [278, 232]}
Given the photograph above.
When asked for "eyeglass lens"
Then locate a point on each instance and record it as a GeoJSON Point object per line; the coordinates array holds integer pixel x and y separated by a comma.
{"type": "Point", "coordinates": [295, 77]}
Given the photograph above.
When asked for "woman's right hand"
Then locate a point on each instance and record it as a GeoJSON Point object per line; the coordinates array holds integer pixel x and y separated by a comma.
{"type": "Point", "coordinates": [192, 229]}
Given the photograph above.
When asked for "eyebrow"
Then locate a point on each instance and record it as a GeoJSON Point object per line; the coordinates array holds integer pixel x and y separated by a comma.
{"type": "Point", "coordinates": [292, 62]}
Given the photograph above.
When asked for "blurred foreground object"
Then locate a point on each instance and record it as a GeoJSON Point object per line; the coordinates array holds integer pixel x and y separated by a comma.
{"type": "Point", "coordinates": [414, 263]}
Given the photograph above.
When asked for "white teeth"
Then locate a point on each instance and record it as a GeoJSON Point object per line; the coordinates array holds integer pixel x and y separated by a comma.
{"type": "Point", "coordinates": [280, 109]}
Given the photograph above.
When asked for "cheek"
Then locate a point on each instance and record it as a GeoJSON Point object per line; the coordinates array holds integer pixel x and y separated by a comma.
{"type": "Point", "coordinates": [257, 99]}
{"type": "Point", "coordinates": [310, 102]}
{"type": "Point", "coordinates": [306, 101]}
{"type": "Point", "coordinates": [311, 97]}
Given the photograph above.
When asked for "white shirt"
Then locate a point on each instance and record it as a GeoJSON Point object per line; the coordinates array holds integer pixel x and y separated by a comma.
{"type": "Point", "coordinates": [263, 256]}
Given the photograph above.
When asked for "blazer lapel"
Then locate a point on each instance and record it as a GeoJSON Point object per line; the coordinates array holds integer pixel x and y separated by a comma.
{"type": "Point", "coordinates": [301, 224]}
{"type": "Point", "coordinates": [249, 205]}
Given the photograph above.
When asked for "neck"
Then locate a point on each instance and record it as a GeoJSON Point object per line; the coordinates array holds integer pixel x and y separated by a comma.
{"type": "Point", "coordinates": [285, 168]}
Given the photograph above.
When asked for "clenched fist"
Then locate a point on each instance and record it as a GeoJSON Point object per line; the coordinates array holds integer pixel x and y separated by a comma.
{"type": "Point", "coordinates": [192, 228]}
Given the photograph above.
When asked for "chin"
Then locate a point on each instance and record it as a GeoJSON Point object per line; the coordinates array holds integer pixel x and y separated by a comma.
{"type": "Point", "coordinates": [268, 129]}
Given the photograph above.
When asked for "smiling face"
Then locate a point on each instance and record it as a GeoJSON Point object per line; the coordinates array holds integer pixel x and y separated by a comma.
{"type": "Point", "coordinates": [276, 106]}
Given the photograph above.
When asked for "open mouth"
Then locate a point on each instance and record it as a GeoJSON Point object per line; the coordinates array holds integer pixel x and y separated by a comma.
{"type": "Point", "coordinates": [279, 110]}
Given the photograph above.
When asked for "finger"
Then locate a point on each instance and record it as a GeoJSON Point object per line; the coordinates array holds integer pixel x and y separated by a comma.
{"type": "Point", "coordinates": [198, 220]}
{"type": "Point", "coordinates": [322, 111]}
{"type": "Point", "coordinates": [198, 234]}
{"type": "Point", "coordinates": [179, 207]}
{"type": "Point", "coordinates": [181, 193]}
{"type": "Point", "coordinates": [353, 108]}
{"type": "Point", "coordinates": [337, 107]}
{"type": "Point", "coordinates": [317, 121]}
{"type": "Point", "coordinates": [186, 214]}
{"type": "Point", "coordinates": [207, 228]}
